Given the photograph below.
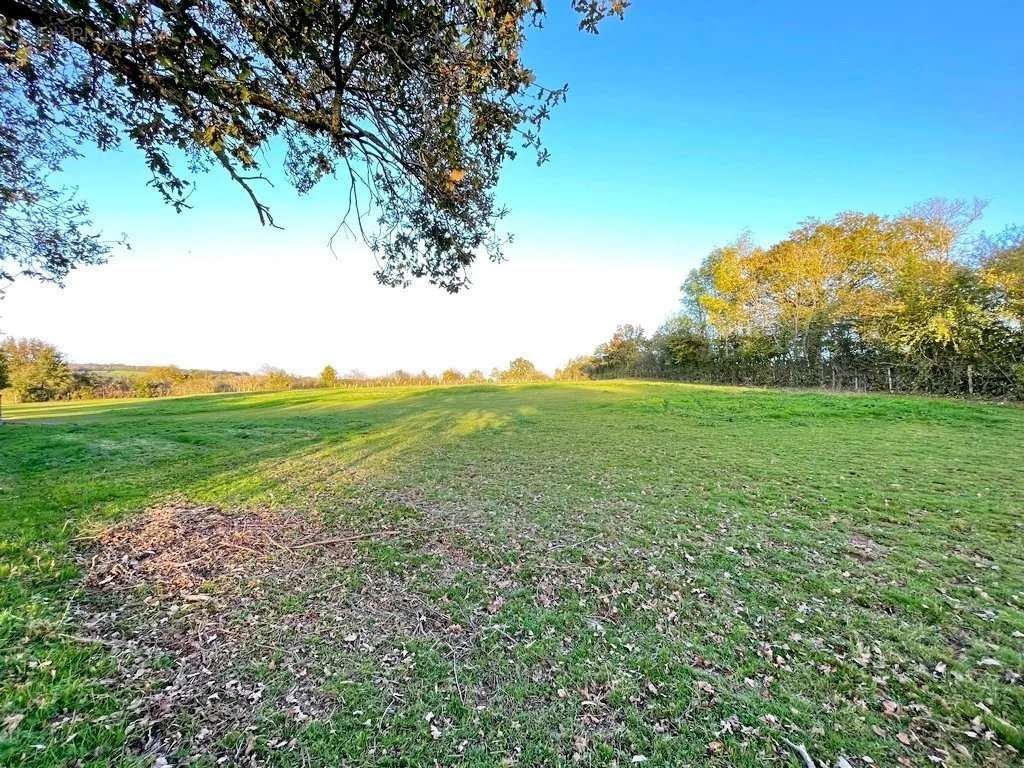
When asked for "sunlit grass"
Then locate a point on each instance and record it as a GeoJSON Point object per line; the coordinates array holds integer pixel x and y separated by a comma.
{"type": "Point", "coordinates": [687, 573]}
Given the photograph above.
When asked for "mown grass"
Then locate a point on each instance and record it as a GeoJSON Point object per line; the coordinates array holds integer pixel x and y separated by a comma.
{"type": "Point", "coordinates": [686, 574]}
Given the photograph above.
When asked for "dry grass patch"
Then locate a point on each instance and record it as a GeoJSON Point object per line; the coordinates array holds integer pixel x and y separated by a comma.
{"type": "Point", "coordinates": [176, 549]}
{"type": "Point", "coordinates": [186, 597]}
{"type": "Point", "coordinates": [229, 625]}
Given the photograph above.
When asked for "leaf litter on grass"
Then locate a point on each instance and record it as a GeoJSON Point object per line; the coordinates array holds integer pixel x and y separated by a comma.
{"type": "Point", "coordinates": [175, 550]}
{"type": "Point", "coordinates": [236, 629]}
{"type": "Point", "coordinates": [222, 621]}
{"type": "Point", "coordinates": [183, 597]}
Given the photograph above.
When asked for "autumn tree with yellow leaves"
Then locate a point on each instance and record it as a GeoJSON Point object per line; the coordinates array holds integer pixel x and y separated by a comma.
{"type": "Point", "coordinates": [911, 302]}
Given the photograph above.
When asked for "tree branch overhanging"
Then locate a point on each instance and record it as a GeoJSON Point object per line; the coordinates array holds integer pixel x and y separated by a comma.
{"type": "Point", "coordinates": [427, 100]}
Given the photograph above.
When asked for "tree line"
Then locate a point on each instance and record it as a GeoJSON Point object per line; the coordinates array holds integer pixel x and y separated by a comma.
{"type": "Point", "coordinates": [915, 302]}
{"type": "Point", "coordinates": [520, 370]}
{"type": "Point", "coordinates": [32, 370]}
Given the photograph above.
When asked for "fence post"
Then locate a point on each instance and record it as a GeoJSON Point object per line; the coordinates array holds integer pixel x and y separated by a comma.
{"type": "Point", "coordinates": [856, 382]}
{"type": "Point", "coordinates": [888, 376]}
{"type": "Point", "coordinates": [833, 377]}
{"type": "Point", "coordinates": [970, 379]}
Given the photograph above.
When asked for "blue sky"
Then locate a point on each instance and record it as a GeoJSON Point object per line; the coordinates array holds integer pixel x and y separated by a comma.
{"type": "Point", "coordinates": [685, 124]}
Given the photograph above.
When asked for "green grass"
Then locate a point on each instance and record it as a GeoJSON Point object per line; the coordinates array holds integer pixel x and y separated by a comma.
{"type": "Point", "coordinates": [686, 573]}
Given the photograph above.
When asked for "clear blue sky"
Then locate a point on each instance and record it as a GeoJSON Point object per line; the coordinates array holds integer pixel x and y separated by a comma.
{"type": "Point", "coordinates": [689, 121]}
{"type": "Point", "coordinates": [685, 124]}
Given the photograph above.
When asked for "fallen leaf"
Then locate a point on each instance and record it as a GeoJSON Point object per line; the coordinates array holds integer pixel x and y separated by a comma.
{"type": "Point", "coordinates": [12, 721]}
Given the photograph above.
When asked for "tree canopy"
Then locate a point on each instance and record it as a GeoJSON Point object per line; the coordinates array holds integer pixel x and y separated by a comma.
{"type": "Point", "coordinates": [328, 377]}
{"type": "Point", "coordinates": [36, 370]}
{"type": "Point", "coordinates": [519, 370]}
{"type": "Point", "coordinates": [911, 302]}
{"type": "Point", "coordinates": [414, 104]}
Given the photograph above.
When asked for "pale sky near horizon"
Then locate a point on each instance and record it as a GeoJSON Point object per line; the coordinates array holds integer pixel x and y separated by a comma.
{"type": "Point", "coordinates": [684, 126]}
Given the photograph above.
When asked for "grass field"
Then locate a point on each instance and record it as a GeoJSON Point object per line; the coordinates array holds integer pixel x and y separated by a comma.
{"type": "Point", "coordinates": [593, 574]}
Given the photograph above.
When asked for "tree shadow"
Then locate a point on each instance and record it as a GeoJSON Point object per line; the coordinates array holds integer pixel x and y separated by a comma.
{"type": "Point", "coordinates": [108, 457]}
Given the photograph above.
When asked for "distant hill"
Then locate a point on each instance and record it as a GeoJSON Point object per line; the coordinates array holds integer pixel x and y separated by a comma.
{"type": "Point", "coordinates": [128, 371]}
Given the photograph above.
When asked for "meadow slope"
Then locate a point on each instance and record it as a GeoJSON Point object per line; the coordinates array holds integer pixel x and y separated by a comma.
{"type": "Point", "coordinates": [578, 574]}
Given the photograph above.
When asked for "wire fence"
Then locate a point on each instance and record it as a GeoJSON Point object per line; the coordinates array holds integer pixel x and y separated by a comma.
{"type": "Point", "coordinates": [956, 380]}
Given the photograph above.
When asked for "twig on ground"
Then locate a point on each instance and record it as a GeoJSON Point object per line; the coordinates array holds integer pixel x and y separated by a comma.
{"type": "Point", "coordinates": [345, 539]}
{"type": "Point", "coordinates": [385, 532]}
{"type": "Point", "coordinates": [84, 640]}
{"type": "Point", "coordinates": [801, 750]}
{"type": "Point", "coordinates": [579, 543]}
{"type": "Point", "coordinates": [455, 673]}
{"type": "Point", "coordinates": [271, 540]}
{"type": "Point", "coordinates": [91, 536]}
{"type": "Point", "coordinates": [232, 545]}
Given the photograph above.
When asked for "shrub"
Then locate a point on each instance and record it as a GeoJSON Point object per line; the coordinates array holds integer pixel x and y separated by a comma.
{"type": "Point", "coordinates": [37, 371]}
